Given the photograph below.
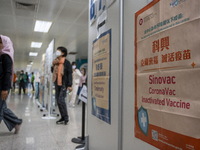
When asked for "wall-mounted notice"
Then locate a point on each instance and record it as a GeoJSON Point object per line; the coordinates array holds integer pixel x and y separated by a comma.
{"type": "Point", "coordinates": [93, 11]}
{"type": "Point", "coordinates": [97, 7]}
{"type": "Point", "coordinates": [167, 74]}
{"type": "Point", "coordinates": [101, 6]}
{"type": "Point", "coordinates": [101, 77]}
{"type": "Point", "coordinates": [101, 23]}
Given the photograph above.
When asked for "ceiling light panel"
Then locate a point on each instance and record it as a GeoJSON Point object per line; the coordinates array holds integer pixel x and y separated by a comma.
{"type": "Point", "coordinates": [42, 26]}
{"type": "Point", "coordinates": [33, 54]}
{"type": "Point", "coordinates": [36, 44]}
{"type": "Point", "coordinates": [29, 66]}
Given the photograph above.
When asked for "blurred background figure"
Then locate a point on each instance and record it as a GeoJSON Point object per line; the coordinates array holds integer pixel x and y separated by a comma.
{"type": "Point", "coordinates": [76, 80]}
{"type": "Point", "coordinates": [14, 81]}
{"type": "Point", "coordinates": [22, 82]}
{"type": "Point", "coordinates": [32, 81]}
{"type": "Point", "coordinates": [26, 79]}
{"type": "Point", "coordinates": [37, 85]}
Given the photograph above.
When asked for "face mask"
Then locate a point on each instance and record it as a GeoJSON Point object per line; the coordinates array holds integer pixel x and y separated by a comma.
{"type": "Point", "coordinates": [58, 53]}
{"type": "Point", "coordinates": [74, 67]}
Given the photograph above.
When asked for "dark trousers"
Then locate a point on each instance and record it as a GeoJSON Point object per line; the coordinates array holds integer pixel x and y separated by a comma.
{"type": "Point", "coordinates": [14, 85]}
{"type": "Point", "coordinates": [37, 85]}
{"type": "Point", "coordinates": [60, 97]}
{"type": "Point", "coordinates": [22, 85]}
{"type": "Point", "coordinates": [10, 119]}
{"type": "Point", "coordinates": [33, 88]}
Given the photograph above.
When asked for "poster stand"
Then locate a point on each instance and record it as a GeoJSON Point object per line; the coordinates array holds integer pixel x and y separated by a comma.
{"type": "Point", "coordinates": [48, 90]}
{"type": "Point", "coordinates": [40, 91]}
{"type": "Point", "coordinates": [83, 146]}
{"type": "Point", "coordinates": [50, 114]}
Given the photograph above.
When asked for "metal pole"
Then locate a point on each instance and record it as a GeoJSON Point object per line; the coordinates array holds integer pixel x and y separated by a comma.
{"type": "Point", "coordinates": [121, 57]}
{"type": "Point", "coordinates": [83, 121]}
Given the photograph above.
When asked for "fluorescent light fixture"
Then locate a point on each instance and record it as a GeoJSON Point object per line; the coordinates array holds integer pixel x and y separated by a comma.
{"type": "Point", "coordinates": [36, 44]}
{"type": "Point", "coordinates": [33, 54]}
{"type": "Point", "coordinates": [29, 66]}
{"type": "Point", "coordinates": [42, 26]}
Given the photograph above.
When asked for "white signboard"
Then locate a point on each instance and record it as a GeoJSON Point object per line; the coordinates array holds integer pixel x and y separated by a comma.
{"type": "Point", "coordinates": [97, 7]}
{"type": "Point", "coordinates": [83, 94]}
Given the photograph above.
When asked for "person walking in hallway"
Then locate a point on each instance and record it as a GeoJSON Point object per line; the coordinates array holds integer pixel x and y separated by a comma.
{"type": "Point", "coordinates": [14, 81]}
{"type": "Point", "coordinates": [6, 70]}
{"type": "Point", "coordinates": [76, 80]}
{"type": "Point", "coordinates": [62, 77]}
{"type": "Point", "coordinates": [32, 81]}
{"type": "Point", "coordinates": [22, 82]}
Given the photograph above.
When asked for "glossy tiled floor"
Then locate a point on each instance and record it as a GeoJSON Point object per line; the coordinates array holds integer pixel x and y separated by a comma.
{"type": "Point", "coordinates": [37, 133]}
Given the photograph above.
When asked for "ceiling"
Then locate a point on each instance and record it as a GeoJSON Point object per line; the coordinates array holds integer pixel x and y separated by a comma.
{"type": "Point", "coordinates": [69, 28]}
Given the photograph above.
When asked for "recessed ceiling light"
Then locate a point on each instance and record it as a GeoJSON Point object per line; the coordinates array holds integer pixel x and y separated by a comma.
{"type": "Point", "coordinates": [42, 26]}
{"type": "Point", "coordinates": [31, 63]}
{"type": "Point", "coordinates": [33, 54]}
{"type": "Point", "coordinates": [36, 44]}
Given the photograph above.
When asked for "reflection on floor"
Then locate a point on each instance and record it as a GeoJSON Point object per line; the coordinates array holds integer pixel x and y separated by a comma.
{"type": "Point", "coordinates": [36, 133]}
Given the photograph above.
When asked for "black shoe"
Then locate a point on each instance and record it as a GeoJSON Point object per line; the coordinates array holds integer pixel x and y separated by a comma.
{"type": "Point", "coordinates": [65, 122]}
{"type": "Point", "coordinates": [20, 120]}
{"type": "Point", "coordinates": [60, 121]}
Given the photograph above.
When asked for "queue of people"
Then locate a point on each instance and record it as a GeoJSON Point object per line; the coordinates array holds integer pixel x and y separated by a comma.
{"type": "Point", "coordinates": [66, 77]}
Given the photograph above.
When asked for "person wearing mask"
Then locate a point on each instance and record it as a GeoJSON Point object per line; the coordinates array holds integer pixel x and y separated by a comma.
{"type": "Point", "coordinates": [82, 82]}
{"type": "Point", "coordinates": [22, 82]}
{"type": "Point", "coordinates": [32, 81]}
{"type": "Point", "coordinates": [62, 77]}
{"type": "Point", "coordinates": [76, 80]}
{"type": "Point", "coordinates": [6, 70]}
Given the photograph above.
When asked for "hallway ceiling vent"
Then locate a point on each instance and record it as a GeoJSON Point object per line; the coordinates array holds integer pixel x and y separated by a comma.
{"type": "Point", "coordinates": [26, 6]}
{"type": "Point", "coordinates": [72, 53]}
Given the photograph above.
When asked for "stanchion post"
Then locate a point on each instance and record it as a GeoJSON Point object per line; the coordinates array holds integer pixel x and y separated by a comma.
{"type": "Point", "coordinates": [81, 140]}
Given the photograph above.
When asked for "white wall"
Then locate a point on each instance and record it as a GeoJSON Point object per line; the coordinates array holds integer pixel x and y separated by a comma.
{"type": "Point", "coordinates": [129, 141]}
{"type": "Point", "coordinates": [103, 136]}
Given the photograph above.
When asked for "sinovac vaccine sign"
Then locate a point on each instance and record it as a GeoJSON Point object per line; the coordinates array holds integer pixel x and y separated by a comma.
{"type": "Point", "coordinates": [167, 74]}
